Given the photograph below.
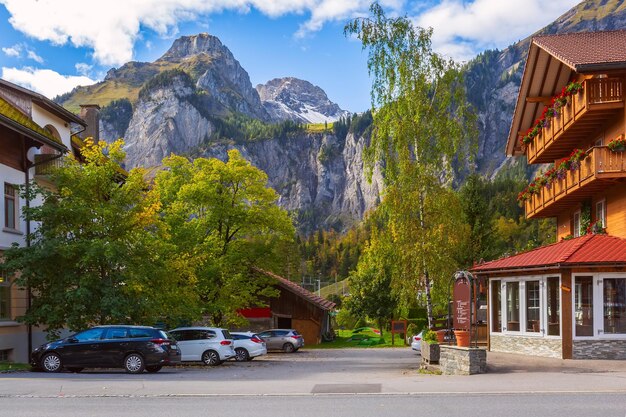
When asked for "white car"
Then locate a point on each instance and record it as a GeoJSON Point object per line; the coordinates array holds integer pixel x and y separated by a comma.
{"type": "Point", "coordinates": [416, 342]}
{"type": "Point", "coordinates": [210, 345]}
{"type": "Point", "coordinates": [248, 346]}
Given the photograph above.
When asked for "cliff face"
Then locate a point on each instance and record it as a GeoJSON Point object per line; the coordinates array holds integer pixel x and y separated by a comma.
{"type": "Point", "coordinates": [318, 176]}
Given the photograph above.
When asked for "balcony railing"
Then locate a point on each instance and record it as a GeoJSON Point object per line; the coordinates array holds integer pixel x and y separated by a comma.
{"type": "Point", "coordinates": [577, 120]}
{"type": "Point", "coordinates": [599, 170]}
{"type": "Point", "coordinates": [46, 163]}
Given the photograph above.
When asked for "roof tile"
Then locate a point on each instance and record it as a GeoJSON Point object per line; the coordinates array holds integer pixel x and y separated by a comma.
{"type": "Point", "coordinates": [295, 288]}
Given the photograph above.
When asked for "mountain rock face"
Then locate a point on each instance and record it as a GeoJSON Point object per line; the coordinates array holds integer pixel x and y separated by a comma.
{"type": "Point", "coordinates": [319, 176]}
{"type": "Point", "coordinates": [298, 100]}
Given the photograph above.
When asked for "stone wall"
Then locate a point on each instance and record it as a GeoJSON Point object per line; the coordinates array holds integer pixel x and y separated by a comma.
{"type": "Point", "coordinates": [535, 346]}
{"type": "Point", "coordinates": [455, 360]}
{"type": "Point", "coordinates": [599, 349]}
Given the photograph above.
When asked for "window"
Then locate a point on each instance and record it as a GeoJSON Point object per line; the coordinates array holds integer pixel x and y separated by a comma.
{"type": "Point", "coordinates": [5, 296]}
{"type": "Point", "coordinates": [88, 335]}
{"type": "Point", "coordinates": [116, 333]}
{"type": "Point", "coordinates": [512, 306]}
{"type": "Point", "coordinates": [532, 306]}
{"type": "Point", "coordinates": [576, 224]}
{"type": "Point", "coordinates": [583, 305]}
{"type": "Point", "coordinates": [554, 306]}
{"type": "Point", "coordinates": [496, 307]}
{"type": "Point", "coordinates": [601, 213]}
{"type": "Point", "coordinates": [5, 355]}
{"type": "Point", "coordinates": [139, 332]}
{"type": "Point", "coordinates": [615, 305]}
{"type": "Point", "coordinates": [10, 206]}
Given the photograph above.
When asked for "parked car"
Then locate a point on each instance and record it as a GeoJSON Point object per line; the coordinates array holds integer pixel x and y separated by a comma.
{"type": "Point", "coordinates": [248, 346]}
{"type": "Point", "coordinates": [134, 348]}
{"type": "Point", "coordinates": [287, 340]}
{"type": "Point", "coordinates": [416, 342]}
{"type": "Point", "coordinates": [210, 345]}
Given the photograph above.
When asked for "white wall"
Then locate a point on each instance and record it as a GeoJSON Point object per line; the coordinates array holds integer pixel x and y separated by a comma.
{"type": "Point", "coordinates": [43, 118]}
{"type": "Point", "coordinates": [12, 176]}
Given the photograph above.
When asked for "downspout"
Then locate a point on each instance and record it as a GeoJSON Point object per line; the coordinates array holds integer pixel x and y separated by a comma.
{"type": "Point", "coordinates": [28, 165]}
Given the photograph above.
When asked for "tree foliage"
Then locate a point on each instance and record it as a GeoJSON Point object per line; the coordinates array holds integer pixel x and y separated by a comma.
{"type": "Point", "coordinates": [222, 218]}
{"type": "Point", "coordinates": [97, 255]}
{"type": "Point", "coordinates": [421, 123]}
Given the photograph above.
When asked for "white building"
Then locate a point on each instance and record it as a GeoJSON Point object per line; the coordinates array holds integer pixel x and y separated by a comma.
{"type": "Point", "coordinates": [35, 133]}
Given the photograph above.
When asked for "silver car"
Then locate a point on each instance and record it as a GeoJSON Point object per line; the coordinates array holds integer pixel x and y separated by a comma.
{"type": "Point", "coordinates": [287, 340]}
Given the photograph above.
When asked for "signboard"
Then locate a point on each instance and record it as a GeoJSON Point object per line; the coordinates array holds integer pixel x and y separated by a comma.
{"type": "Point", "coordinates": [397, 326]}
{"type": "Point", "coordinates": [461, 304]}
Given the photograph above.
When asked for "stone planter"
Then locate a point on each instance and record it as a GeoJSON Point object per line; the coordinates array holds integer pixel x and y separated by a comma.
{"type": "Point", "coordinates": [430, 352]}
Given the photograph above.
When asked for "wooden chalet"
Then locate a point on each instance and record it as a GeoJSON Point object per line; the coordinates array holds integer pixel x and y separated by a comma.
{"type": "Point", "coordinates": [295, 308]}
{"type": "Point", "coordinates": [568, 299]}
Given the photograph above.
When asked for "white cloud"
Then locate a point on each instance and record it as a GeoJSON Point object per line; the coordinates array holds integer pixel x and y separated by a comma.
{"type": "Point", "coordinates": [32, 55]}
{"type": "Point", "coordinates": [16, 50]}
{"type": "Point", "coordinates": [44, 81]}
{"type": "Point", "coordinates": [12, 51]}
{"type": "Point", "coordinates": [463, 28]}
{"type": "Point", "coordinates": [83, 68]}
{"type": "Point", "coordinates": [111, 28]}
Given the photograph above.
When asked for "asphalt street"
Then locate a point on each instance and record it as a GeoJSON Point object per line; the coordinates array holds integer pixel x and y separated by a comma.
{"type": "Point", "coordinates": [351, 382]}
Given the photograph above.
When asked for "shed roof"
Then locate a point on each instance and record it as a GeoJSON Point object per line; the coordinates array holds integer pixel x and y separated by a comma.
{"type": "Point", "coordinates": [320, 302]}
{"type": "Point", "coordinates": [585, 250]}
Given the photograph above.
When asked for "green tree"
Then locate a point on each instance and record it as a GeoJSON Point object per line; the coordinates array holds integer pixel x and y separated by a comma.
{"type": "Point", "coordinates": [474, 200]}
{"type": "Point", "coordinates": [223, 219]}
{"type": "Point", "coordinates": [97, 255]}
{"type": "Point", "coordinates": [371, 293]}
{"type": "Point", "coordinates": [421, 124]}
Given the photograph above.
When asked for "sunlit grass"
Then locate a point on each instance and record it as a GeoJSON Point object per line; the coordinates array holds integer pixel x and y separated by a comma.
{"type": "Point", "coordinates": [363, 339]}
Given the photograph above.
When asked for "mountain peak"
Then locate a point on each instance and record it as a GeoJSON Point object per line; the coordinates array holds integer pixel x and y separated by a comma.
{"type": "Point", "coordinates": [291, 98]}
{"type": "Point", "coordinates": [187, 46]}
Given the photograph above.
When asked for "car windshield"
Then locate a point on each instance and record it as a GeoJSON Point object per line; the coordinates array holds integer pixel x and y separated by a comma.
{"type": "Point", "coordinates": [165, 335]}
{"type": "Point", "coordinates": [226, 334]}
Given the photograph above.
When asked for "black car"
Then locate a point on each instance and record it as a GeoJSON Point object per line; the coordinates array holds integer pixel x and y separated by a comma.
{"type": "Point", "coordinates": [134, 348]}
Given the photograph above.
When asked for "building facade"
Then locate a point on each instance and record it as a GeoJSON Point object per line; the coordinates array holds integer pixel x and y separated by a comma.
{"type": "Point", "coordinates": [568, 299]}
{"type": "Point", "coordinates": [35, 134]}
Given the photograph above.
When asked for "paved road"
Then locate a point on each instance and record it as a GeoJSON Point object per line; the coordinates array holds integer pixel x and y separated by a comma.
{"type": "Point", "coordinates": [361, 382]}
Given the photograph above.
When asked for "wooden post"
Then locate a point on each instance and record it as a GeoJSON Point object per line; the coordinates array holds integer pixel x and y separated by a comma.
{"type": "Point", "coordinates": [566, 313]}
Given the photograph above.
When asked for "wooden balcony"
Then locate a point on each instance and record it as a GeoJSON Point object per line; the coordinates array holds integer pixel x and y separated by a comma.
{"type": "Point", "coordinates": [578, 120]}
{"type": "Point", "coordinates": [599, 170]}
{"type": "Point", "coordinates": [45, 163]}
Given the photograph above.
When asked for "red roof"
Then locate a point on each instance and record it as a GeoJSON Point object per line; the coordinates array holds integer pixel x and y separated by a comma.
{"type": "Point", "coordinates": [587, 250]}
{"type": "Point", "coordinates": [587, 51]}
{"type": "Point", "coordinates": [320, 302]}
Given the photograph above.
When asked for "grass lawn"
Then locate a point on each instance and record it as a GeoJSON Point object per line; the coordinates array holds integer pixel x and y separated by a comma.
{"type": "Point", "coordinates": [8, 366]}
{"type": "Point", "coordinates": [362, 339]}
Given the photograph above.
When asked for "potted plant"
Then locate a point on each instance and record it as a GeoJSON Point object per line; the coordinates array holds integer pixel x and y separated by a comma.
{"type": "Point", "coordinates": [617, 145]}
{"type": "Point", "coordinates": [430, 347]}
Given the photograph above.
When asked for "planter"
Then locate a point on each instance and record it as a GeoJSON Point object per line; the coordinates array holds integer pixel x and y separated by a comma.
{"type": "Point", "coordinates": [462, 338]}
{"type": "Point", "coordinates": [430, 352]}
{"type": "Point", "coordinates": [441, 336]}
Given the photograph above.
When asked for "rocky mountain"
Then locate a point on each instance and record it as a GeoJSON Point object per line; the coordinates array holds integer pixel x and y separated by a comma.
{"type": "Point", "coordinates": [298, 100]}
{"type": "Point", "coordinates": [197, 100]}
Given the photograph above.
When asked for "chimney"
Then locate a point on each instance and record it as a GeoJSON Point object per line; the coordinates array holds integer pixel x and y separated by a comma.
{"type": "Point", "coordinates": [90, 113]}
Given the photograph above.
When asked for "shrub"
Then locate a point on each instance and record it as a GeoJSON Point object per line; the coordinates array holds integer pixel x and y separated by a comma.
{"type": "Point", "coordinates": [430, 336]}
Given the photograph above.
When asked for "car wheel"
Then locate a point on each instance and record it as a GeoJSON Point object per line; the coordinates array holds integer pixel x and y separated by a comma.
{"type": "Point", "coordinates": [134, 363]}
{"type": "Point", "coordinates": [211, 358]}
{"type": "Point", "coordinates": [153, 369]}
{"type": "Point", "coordinates": [241, 355]}
{"type": "Point", "coordinates": [51, 362]}
{"type": "Point", "coordinates": [74, 369]}
{"type": "Point", "coordinates": [288, 348]}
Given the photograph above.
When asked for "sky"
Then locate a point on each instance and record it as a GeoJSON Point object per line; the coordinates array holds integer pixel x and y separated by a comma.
{"type": "Point", "coordinates": [51, 46]}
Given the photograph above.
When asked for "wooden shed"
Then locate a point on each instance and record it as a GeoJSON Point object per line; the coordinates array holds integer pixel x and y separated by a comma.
{"type": "Point", "coordinates": [295, 308]}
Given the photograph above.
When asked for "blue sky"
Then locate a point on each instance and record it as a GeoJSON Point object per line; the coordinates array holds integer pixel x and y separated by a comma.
{"type": "Point", "coordinates": [53, 45]}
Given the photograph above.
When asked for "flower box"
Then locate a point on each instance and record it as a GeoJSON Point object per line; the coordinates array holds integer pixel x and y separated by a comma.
{"type": "Point", "coordinates": [430, 352]}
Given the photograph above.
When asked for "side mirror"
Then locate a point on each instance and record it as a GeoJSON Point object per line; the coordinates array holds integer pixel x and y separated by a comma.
{"type": "Point", "coordinates": [72, 340]}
